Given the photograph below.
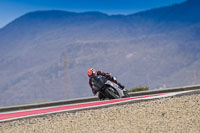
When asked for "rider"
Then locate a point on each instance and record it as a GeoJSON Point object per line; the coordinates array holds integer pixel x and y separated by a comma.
{"type": "Point", "coordinates": [92, 72]}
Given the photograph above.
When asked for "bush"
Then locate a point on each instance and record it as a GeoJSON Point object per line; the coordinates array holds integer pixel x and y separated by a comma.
{"type": "Point", "coordinates": [139, 89]}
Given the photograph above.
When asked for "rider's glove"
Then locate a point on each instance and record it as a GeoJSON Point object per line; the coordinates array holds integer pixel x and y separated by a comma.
{"type": "Point", "coordinates": [94, 92]}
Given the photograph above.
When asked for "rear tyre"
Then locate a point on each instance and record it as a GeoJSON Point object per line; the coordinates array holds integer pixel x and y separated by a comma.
{"type": "Point", "coordinates": [111, 93]}
{"type": "Point", "coordinates": [126, 94]}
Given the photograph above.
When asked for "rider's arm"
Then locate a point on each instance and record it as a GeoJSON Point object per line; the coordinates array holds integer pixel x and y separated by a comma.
{"type": "Point", "coordinates": [103, 73]}
{"type": "Point", "coordinates": [110, 77]}
{"type": "Point", "coordinates": [93, 90]}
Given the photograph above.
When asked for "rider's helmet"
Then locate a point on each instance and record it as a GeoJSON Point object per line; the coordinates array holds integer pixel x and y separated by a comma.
{"type": "Point", "coordinates": [91, 72]}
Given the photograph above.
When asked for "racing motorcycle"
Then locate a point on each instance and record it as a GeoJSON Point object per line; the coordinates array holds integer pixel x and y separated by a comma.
{"type": "Point", "coordinates": [108, 88]}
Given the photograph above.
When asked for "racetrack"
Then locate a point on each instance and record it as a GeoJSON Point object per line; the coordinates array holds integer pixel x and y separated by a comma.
{"type": "Point", "coordinates": [177, 114]}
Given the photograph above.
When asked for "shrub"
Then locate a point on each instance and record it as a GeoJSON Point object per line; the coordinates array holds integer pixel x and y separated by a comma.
{"type": "Point", "coordinates": [139, 89]}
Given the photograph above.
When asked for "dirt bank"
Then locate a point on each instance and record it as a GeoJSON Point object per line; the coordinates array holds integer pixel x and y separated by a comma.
{"type": "Point", "coordinates": [170, 115]}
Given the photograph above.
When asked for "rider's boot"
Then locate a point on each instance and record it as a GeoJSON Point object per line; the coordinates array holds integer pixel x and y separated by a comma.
{"type": "Point", "coordinates": [120, 85]}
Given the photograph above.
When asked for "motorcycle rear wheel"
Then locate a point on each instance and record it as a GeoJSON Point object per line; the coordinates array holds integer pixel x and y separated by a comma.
{"type": "Point", "coordinates": [126, 94]}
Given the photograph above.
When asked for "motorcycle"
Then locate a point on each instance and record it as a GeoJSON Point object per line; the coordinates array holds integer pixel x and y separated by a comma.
{"type": "Point", "coordinates": [108, 88]}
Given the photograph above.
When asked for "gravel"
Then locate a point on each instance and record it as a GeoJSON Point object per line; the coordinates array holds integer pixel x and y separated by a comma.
{"type": "Point", "coordinates": [166, 115]}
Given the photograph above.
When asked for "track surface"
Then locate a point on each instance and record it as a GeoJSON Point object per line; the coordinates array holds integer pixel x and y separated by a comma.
{"type": "Point", "coordinates": [79, 106]}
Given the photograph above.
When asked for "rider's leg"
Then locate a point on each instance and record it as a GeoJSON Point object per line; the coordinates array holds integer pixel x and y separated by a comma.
{"type": "Point", "coordinates": [115, 81]}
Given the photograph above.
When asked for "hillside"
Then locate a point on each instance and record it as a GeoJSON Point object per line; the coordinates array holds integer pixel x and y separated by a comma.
{"type": "Point", "coordinates": [44, 55]}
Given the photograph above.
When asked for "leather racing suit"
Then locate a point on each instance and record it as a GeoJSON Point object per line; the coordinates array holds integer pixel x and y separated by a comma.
{"type": "Point", "coordinates": [108, 75]}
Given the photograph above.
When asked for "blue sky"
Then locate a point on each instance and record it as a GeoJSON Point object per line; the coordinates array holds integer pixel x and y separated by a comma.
{"type": "Point", "coordinates": [11, 9]}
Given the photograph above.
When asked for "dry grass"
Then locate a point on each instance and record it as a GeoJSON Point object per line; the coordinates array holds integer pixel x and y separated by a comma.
{"type": "Point", "coordinates": [169, 115]}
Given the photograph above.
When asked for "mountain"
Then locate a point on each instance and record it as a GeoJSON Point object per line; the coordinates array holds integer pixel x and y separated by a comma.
{"type": "Point", "coordinates": [45, 55]}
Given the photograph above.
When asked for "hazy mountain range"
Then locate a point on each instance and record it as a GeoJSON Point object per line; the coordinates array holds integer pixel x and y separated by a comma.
{"type": "Point", "coordinates": [45, 55]}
